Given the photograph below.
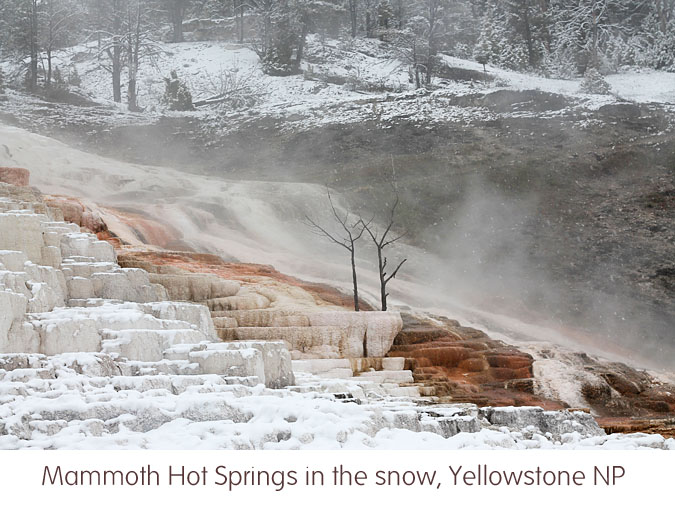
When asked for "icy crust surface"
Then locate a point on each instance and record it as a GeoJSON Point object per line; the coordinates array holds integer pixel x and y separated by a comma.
{"type": "Point", "coordinates": [84, 401]}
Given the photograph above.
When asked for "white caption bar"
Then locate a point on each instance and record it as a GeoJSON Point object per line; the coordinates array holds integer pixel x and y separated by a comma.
{"type": "Point", "coordinates": [401, 478]}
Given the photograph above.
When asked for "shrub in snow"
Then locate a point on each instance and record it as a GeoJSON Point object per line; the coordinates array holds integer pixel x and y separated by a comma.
{"type": "Point", "coordinates": [57, 78]}
{"type": "Point", "coordinates": [482, 54]}
{"type": "Point", "coordinates": [278, 61]}
{"type": "Point", "coordinates": [177, 96]}
{"type": "Point", "coordinates": [594, 83]}
{"type": "Point", "coordinates": [74, 77]}
{"type": "Point", "coordinates": [663, 53]}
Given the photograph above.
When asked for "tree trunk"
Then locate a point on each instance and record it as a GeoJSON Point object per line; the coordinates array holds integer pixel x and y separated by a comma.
{"type": "Point", "coordinates": [369, 25]}
{"type": "Point", "coordinates": [32, 81]}
{"type": "Point", "coordinates": [383, 282]}
{"type": "Point", "coordinates": [356, 287]}
{"type": "Point", "coordinates": [134, 59]}
{"type": "Point", "coordinates": [594, 53]}
{"type": "Point", "coordinates": [353, 14]}
{"type": "Point", "coordinates": [399, 14]}
{"type": "Point", "coordinates": [131, 95]}
{"type": "Point", "coordinates": [663, 16]}
{"type": "Point", "coordinates": [117, 72]}
{"type": "Point", "coordinates": [528, 36]}
{"type": "Point", "coordinates": [177, 14]}
{"type": "Point", "coordinates": [431, 49]}
{"type": "Point", "coordinates": [239, 16]}
{"type": "Point", "coordinates": [301, 45]}
{"type": "Point", "coordinates": [49, 67]}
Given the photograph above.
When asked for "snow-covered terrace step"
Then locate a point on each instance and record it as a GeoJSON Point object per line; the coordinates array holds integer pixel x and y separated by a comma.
{"type": "Point", "coordinates": [127, 284]}
{"type": "Point", "coordinates": [404, 391]}
{"type": "Point", "coordinates": [142, 413]}
{"type": "Point", "coordinates": [13, 260]}
{"type": "Point", "coordinates": [321, 365]}
{"type": "Point", "coordinates": [163, 367]}
{"type": "Point", "coordinates": [299, 338]}
{"type": "Point", "coordinates": [73, 268]}
{"type": "Point", "coordinates": [33, 382]}
{"type": "Point", "coordinates": [112, 316]}
{"type": "Point", "coordinates": [26, 375]}
{"type": "Point", "coordinates": [263, 317]}
{"type": "Point", "coordinates": [336, 374]}
{"type": "Point", "coordinates": [82, 259]}
{"type": "Point", "coordinates": [225, 322]}
{"type": "Point", "coordinates": [91, 302]}
{"type": "Point", "coordinates": [274, 360]}
{"type": "Point", "coordinates": [176, 384]}
{"type": "Point", "coordinates": [243, 302]}
{"type": "Point", "coordinates": [197, 287]}
{"type": "Point", "coordinates": [61, 227]}
{"type": "Point", "coordinates": [355, 365]}
{"type": "Point", "coordinates": [388, 376]}
{"type": "Point", "coordinates": [146, 345]}
{"type": "Point", "coordinates": [367, 364]}
{"type": "Point", "coordinates": [228, 362]}
{"type": "Point", "coordinates": [352, 388]}
{"type": "Point", "coordinates": [74, 245]}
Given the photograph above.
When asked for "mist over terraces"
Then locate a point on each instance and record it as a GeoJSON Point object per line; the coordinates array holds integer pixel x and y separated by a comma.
{"type": "Point", "coordinates": [145, 354]}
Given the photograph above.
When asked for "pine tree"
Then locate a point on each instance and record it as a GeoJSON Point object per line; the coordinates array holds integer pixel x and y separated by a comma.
{"type": "Point", "coordinates": [2, 85]}
{"type": "Point", "coordinates": [74, 77]}
{"type": "Point", "coordinates": [57, 78]}
{"type": "Point", "coordinates": [283, 26]}
{"type": "Point", "coordinates": [527, 22]}
{"type": "Point", "coordinates": [594, 83]}
{"type": "Point", "coordinates": [385, 15]}
{"type": "Point", "coordinates": [481, 52]}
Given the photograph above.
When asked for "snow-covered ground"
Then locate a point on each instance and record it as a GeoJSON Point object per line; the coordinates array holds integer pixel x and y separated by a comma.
{"type": "Point", "coordinates": [343, 82]}
{"type": "Point", "coordinates": [366, 64]}
{"type": "Point", "coordinates": [641, 86]}
{"type": "Point", "coordinates": [206, 416]}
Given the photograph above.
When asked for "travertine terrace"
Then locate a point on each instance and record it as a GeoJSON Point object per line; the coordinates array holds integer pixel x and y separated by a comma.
{"type": "Point", "coordinates": [93, 354]}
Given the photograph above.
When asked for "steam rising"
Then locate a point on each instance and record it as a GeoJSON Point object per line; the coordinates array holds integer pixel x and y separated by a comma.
{"type": "Point", "coordinates": [479, 265]}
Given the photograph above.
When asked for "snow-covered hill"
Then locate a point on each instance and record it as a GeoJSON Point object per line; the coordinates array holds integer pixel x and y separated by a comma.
{"type": "Point", "coordinates": [342, 83]}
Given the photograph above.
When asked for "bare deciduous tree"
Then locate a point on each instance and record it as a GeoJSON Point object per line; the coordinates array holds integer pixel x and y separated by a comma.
{"type": "Point", "coordinates": [56, 20]}
{"type": "Point", "coordinates": [381, 242]}
{"type": "Point", "coordinates": [352, 231]}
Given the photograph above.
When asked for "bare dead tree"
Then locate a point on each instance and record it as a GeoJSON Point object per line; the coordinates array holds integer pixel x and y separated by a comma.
{"type": "Point", "coordinates": [352, 231]}
{"type": "Point", "coordinates": [56, 21]}
{"type": "Point", "coordinates": [381, 242]}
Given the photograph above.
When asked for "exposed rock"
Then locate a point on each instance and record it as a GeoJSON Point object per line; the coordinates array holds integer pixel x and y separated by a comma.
{"type": "Point", "coordinates": [75, 211]}
{"type": "Point", "coordinates": [276, 359]}
{"type": "Point", "coordinates": [22, 232]}
{"type": "Point", "coordinates": [466, 365]}
{"type": "Point", "coordinates": [15, 176]}
{"type": "Point", "coordinates": [556, 423]}
{"type": "Point", "coordinates": [368, 333]}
